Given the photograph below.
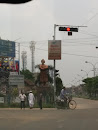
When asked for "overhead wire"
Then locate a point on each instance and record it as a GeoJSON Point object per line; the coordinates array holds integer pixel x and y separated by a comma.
{"type": "Point", "coordinates": [63, 52]}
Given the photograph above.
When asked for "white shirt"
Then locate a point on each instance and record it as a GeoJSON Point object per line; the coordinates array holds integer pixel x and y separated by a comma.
{"type": "Point", "coordinates": [22, 97]}
{"type": "Point", "coordinates": [63, 93]}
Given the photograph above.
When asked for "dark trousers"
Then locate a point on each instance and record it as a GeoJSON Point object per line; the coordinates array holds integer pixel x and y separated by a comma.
{"type": "Point", "coordinates": [40, 104]}
{"type": "Point", "coordinates": [22, 105]}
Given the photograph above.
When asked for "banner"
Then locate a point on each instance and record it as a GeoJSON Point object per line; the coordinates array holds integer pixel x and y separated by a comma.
{"type": "Point", "coordinates": [7, 48]}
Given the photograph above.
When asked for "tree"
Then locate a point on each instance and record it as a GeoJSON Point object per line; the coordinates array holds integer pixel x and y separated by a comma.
{"type": "Point", "coordinates": [59, 85]}
{"type": "Point", "coordinates": [15, 92]}
{"type": "Point", "coordinates": [91, 86]}
{"type": "Point", "coordinates": [27, 74]}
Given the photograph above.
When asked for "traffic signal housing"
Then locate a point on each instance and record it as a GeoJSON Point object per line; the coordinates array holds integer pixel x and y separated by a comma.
{"type": "Point", "coordinates": [69, 33]}
{"type": "Point", "coordinates": [72, 29]}
{"type": "Point", "coordinates": [56, 73]}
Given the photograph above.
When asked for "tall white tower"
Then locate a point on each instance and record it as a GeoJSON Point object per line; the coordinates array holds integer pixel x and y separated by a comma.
{"type": "Point", "coordinates": [24, 59]}
{"type": "Point", "coordinates": [32, 48]}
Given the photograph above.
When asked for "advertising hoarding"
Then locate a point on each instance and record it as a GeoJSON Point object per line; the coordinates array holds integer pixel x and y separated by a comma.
{"type": "Point", "coordinates": [7, 48]}
{"type": "Point", "coordinates": [17, 65]}
{"type": "Point", "coordinates": [54, 49]}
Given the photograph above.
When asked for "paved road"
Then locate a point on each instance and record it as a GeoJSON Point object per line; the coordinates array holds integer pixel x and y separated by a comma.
{"type": "Point", "coordinates": [85, 117]}
{"type": "Point", "coordinates": [86, 103]}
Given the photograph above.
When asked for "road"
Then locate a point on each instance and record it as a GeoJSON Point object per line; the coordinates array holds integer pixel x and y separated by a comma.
{"type": "Point", "coordinates": [85, 117]}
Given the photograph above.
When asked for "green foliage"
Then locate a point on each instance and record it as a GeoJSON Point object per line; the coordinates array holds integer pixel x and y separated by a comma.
{"type": "Point", "coordinates": [1, 95]}
{"type": "Point", "coordinates": [17, 105]}
{"type": "Point", "coordinates": [59, 85]}
{"type": "Point", "coordinates": [2, 105]}
{"type": "Point", "coordinates": [27, 74]}
{"type": "Point", "coordinates": [14, 92]}
{"type": "Point", "coordinates": [91, 86]}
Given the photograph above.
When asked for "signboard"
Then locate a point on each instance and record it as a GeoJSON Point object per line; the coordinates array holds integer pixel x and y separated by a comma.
{"type": "Point", "coordinates": [54, 49]}
{"type": "Point", "coordinates": [13, 73]}
{"type": "Point", "coordinates": [16, 80]}
{"type": "Point", "coordinates": [1, 99]}
{"type": "Point", "coordinates": [7, 48]}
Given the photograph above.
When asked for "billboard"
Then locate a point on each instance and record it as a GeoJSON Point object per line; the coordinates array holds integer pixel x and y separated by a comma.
{"type": "Point", "coordinates": [54, 49]}
{"type": "Point", "coordinates": [17, 65]}
{"type": "Point", "coordinates": [7, 48]}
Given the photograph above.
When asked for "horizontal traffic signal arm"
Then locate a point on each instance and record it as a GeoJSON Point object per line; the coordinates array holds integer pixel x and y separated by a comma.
{"type": "Point", "coordinates": [68, 29]}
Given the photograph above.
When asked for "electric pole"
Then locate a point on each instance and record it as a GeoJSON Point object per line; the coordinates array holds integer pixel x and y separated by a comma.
{"type": "Point", "coordinates": [32, 48]}
{"type": "Point", "coordinates": [24, 59]}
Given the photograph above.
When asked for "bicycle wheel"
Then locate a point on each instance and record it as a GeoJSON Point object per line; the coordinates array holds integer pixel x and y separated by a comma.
{"type": "Point", "coordinates": [72, 104]}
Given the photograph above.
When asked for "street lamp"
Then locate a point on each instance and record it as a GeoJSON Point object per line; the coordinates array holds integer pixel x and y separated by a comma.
{"type": "Point", "coordinates": [93, 66]}
{"type": "Point", "coordinates": [86, 72]}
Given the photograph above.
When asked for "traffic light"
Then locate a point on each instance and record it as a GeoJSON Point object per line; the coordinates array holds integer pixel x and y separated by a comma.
{"type": "Point", "coordinates": [68, 29]}
{"type": "Point", "coordinates": [56, 73]}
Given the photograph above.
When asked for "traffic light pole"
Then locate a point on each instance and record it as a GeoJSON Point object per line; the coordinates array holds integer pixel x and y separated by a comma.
{"type": "Point", "coordinates": [54, 65]}
{"type": "Point", "coordinates": [74, 29]}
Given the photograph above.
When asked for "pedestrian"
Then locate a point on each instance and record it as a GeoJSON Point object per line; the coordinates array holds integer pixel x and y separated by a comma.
{"type": "Point", "coordinates": [40, 100]}
{"type": "Point", "coordinates": [22, 97]}
{"type": "Point", "coordinates": [31, 99]}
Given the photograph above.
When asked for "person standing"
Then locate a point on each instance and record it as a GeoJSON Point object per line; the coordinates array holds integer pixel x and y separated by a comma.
{"type": "Point", "coordinates": [22, 97]}
{"type": "Point", "coordinates": [31, 99]}
{"type": "Point", "coordinates": [40, 100]}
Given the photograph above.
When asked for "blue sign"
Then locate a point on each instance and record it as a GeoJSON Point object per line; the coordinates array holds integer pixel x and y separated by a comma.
{"type": "Point", "coordinates": [7, 48]}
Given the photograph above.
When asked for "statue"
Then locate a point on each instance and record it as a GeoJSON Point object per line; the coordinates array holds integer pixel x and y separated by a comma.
{"type": "Point", "coordinates": [43, 72]}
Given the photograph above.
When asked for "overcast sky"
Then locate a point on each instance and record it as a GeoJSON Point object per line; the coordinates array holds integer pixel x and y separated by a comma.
{"type": "Point", "coordinates": [34, 21]}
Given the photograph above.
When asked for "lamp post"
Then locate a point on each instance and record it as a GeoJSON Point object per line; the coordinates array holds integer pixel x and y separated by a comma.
{"type": "Point", "coordinates": [94, 69]}
{"type": "Point", "coordinates": [86, 72]}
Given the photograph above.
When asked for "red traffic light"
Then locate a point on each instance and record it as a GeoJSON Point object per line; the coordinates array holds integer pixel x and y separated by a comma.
{"type": "Point", "coordinates": [68, 29]}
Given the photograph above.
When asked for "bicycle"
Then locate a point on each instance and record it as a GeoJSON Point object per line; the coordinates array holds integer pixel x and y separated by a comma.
{"type": "Point", "coordinates": [67, 103]}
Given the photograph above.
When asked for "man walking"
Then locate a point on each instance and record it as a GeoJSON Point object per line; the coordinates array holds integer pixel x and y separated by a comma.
{"type": "Point", "coordinates": [22, 97]}
{"type": "Point", "coordinates": [31, 99]}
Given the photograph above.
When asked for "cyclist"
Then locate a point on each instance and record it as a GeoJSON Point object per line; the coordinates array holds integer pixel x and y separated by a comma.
{"type": "Point", "coordinates": [63, 97]}
{"type": "Point", "coordinates": [63, 94]}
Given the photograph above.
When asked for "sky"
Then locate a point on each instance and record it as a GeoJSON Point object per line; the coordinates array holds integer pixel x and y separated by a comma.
{"type": "Point", "coordinates": [34, 21]}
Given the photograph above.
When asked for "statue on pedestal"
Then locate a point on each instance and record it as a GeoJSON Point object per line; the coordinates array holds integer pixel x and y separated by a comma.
{"type": "Point", "coordinates": [43, 72]}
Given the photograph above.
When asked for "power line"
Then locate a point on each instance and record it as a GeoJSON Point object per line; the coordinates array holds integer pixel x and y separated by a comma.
{"type": "Point", "coordinates": [71, 54]}
{"type": "Point", "coordinates": [90, 19]}
{"type": "Point", "coordinates": [80, 55]}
